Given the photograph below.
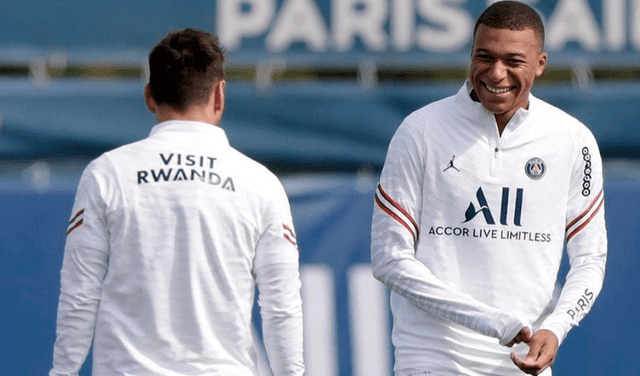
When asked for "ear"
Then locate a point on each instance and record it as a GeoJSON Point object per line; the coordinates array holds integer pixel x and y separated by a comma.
{"type": "Point", "coordinates": [218, 93]}
{"type": "Point", "coordinates": [148, 99]}
{"type": "Point", "coordinates": [542, 64]}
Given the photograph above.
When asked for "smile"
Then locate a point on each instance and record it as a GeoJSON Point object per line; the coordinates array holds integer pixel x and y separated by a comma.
{"type": "Point", "coordinates": [496, 90]}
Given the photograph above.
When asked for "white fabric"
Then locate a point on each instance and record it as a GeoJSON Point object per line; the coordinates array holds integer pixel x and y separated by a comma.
{"type": "Point", "coordinates": [168, 239]}
{"type": "Point", "coordinates": [491, 215]}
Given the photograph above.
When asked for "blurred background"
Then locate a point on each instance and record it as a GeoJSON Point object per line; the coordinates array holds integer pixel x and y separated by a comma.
{"type": "Point", "coordinates": [316, 89]}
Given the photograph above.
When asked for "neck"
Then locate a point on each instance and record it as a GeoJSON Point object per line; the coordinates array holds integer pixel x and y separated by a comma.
{"type": "Point", "coordinates": [501, 119]}
{"type": "Point", "coordinates": [193, 113]}
{"type": "Point", "coordinates": [501, 122]}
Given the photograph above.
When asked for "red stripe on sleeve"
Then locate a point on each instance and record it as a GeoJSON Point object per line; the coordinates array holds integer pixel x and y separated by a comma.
{"type": "Point", "coordinates": [574, 232]}
{"type": "Point", "coordinates": [78, 224]}
{"type": "Point", "coordinates": [394, 216]}
{"type": "Point", "coordinates": [584, 213]}
{"type": "Point", "coordinates": [79, 213]}
{"type": "Point", "coordinates": [398, 206]}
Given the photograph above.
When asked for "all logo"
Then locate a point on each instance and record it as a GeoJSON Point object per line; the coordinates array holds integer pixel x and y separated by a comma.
{"type": "Point", "coordinates": [482, 207]}
{"type": "Point", "coordinates": [535, 168]}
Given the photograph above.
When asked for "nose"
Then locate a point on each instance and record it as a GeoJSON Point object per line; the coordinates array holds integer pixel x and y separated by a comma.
{"type": "Point", "coordinates": [498, 71]}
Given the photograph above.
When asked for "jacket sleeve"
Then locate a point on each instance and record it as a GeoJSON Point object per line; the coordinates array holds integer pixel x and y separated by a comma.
{"type": "Point", "coordinates": [83, 269]}
{"type": "Point", "coordinates": [586, 240]}
{"type": "Point", "coordinates": [396, 231]}
{"type": "Point", "coordinates": [276, 270]}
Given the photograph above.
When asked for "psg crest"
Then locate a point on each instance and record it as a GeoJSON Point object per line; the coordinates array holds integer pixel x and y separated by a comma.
{"type": "Point", "coordinates": [535, 168]}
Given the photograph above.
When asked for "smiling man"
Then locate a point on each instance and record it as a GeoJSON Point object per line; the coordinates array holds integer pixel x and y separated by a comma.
{"type": "Point", "coordinates": [507, 57]}
{"type": "Point", "coordinates": [479, 195]}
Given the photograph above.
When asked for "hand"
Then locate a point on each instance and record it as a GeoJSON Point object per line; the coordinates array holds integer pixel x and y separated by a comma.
{"type": "Point", "coordinates": [523, 336]}
{"type": "Point", "coordinates": [543, 347]}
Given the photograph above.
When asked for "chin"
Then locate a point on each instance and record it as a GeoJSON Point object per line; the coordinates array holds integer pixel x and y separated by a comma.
{"type": "Point", "coordinates": [496, 108]}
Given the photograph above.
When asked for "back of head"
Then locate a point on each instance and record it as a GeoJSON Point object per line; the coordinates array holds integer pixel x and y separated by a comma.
{"type": "Point", "coordinates": [184, 67]}
{"type": "Point", "coordinates": [512, 15]}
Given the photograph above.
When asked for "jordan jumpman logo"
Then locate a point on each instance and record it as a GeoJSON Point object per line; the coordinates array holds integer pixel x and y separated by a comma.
{"type": "Point", "coordinates": [450, 165]}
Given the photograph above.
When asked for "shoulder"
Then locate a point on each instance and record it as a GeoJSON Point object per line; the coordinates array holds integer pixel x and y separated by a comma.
{"type": "Point", "coordinates": [127, 150]}
{"type": "Point", "coordinates": [263, 189]}
{"type": "Point", "coordinates": [99, 167]}
{"type": "Point", "coordinates": [553, 116]}
{"type": "Point", "coordinates": [417, 123]}
{"type": "Point", "coordinates": [262, 180]}
{"type": "Point", "coordinates": [250, 164]}
{"type": "Point", "coordinates": [435, 109]}
{"type": "Point", "coordinates": [562, 123]}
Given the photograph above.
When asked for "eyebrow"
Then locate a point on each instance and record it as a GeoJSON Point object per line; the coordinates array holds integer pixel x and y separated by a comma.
{"type": "Point", "coordinates": [511, 54]}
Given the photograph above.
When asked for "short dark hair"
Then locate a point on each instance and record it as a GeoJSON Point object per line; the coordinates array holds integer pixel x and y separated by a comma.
{"type": "Point", "coordinates": [183, 68]}
{"type": "Point", "coordinates": [512, 15]}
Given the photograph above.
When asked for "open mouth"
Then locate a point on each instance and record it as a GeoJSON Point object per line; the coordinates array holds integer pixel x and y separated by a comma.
{"type": "Point", "coordinates": [496, 90]}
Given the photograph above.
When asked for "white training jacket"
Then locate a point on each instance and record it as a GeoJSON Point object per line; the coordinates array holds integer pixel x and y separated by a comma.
{"type": "Point", "coordinates": [469, 227]}
{"type": "Point", "coordinates": [168, 238]}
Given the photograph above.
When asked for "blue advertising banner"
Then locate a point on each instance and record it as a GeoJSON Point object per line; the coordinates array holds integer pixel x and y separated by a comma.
{"type": "Point", "coordinates": [418, 30]}
{"type": "Point", "coordinates": [313, 31]}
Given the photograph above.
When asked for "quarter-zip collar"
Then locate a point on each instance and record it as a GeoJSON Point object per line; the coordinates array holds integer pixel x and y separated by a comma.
{"type": "Point", "coordinates": [185, 127]}
{"type": "Point", "coordinates": [479, 112]}
{"type": "Point", "coordinates": [479, 115]}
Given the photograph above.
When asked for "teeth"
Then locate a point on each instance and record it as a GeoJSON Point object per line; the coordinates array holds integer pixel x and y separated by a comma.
{"type": "Point", "coordinates": [497, 90]}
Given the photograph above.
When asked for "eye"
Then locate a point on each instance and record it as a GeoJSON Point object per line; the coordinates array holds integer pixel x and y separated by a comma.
{"type": "Point", "coordinates": [515, 62]}
{"type": "Point", "coordinates": [483, 56]}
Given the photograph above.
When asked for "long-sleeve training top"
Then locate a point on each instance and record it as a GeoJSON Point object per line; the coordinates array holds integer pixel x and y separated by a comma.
{"type": "Point", "coordinates": [168, 238]}
{"type": "Point", "coordinates": [469, 228]}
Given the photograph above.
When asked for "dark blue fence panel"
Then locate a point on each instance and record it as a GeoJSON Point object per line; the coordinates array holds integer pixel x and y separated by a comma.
{"type": "Point", "coordinates": [331, 126]}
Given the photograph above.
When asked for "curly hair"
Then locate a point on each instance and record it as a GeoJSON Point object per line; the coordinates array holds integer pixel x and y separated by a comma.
{"type": "Point", "coordinates": [512, 15]}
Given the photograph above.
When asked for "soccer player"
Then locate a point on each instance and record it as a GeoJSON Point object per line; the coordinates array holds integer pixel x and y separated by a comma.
{"type": "Point", "coordinates": [169, 237]}
{"type": "Point", "coordinates": [471, 246]}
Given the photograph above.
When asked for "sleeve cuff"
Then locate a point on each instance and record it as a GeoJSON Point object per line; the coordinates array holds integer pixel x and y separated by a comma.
{"type": "Point", "coordinates": [556, 329]}
{"type": "Point", "coordinates": [508, 327]}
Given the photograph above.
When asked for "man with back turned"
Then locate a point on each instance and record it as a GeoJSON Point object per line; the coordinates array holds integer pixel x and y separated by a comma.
{"type": "Point", "coordinates": [169, 237]}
